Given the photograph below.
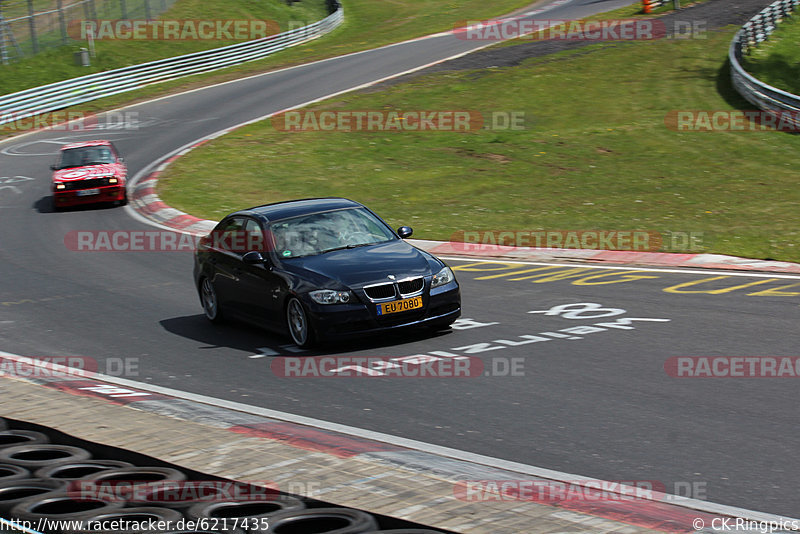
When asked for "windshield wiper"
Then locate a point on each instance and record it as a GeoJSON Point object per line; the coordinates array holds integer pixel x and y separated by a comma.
{"type": "Point", "coordinates": [349, 247]}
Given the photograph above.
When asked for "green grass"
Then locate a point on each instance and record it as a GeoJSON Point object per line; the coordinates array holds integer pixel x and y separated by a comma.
{"type": "Point", "coordinates": [595, 155]}
{"type": "Point", "coordinates": [57, 64]}
{"type": "Point", "coordinates": [777, 61]}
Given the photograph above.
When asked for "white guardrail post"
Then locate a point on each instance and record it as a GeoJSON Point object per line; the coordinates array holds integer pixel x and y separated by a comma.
{"type": "Point", "coordinates": [756, 92]}
{"type": "Point", "coordinates": [60, 95]}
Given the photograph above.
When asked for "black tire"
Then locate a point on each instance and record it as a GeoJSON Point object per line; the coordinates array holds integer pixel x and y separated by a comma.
{"type": "Point", "coordinates": [61, 506]}
{"type": "Point", "coordinates": [141, 515]}
{"type": "Point", "coordinates": [181, 495]}
{"type": "Point", "coordinates": [139, 474]}
{"type": "Point", "coordinates": [13, 472]}
{"type": "Point", "coordinates": [76, 470]}
{"type": "Point", "coordinates": [298, 324]}
{"type": "Point", "coordinates": [13, 492]}
{"type": "Point", "coordinates": [14, 438]}
{"type": "Point", "coordinates": [41, 455]}
{"type": "Point", "coordinates": [254, 509]}
{"type": "Point", "coordinates": [323, 521]}
{"type": "Point", "coordinates": [124, 201]}
{"type": "Point", "coordinates": [130, 484]}
{"type": "Point", "coordinates": [210, 301]}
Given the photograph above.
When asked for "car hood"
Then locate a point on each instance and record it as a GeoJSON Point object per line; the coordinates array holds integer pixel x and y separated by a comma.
{"type": "Point", "coordinates": [87, 173]}
{"type": "Point", "coordinates": [366, 265]}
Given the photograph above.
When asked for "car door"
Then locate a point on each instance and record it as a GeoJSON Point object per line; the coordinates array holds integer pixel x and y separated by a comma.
{"type": "Point", "coordinates": [260, 286]}
{"type": "Point", "coordinates": [226, 262]}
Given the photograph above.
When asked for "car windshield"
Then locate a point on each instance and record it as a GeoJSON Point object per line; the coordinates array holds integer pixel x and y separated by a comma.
{"type": "Point", "coordinates": [92, 155]}
{"type": "Point", "coordinates": [319, 233]}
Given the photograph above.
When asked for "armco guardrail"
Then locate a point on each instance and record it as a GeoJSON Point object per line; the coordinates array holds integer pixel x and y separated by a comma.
{"type": "Point", "coordinates": [60, 95]}
{"type": "Point", "coordinates": [753, 90]}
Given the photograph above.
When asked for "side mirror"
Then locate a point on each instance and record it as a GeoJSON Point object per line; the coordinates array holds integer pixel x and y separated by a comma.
{"type": "Point", "coordinates": [405, 231]}
{"type": "Point", "coordinates": [254, 258]}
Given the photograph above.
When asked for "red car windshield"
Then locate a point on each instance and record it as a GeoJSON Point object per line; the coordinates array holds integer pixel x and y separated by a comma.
{"type": "Point", "coordinates": [91, 155]}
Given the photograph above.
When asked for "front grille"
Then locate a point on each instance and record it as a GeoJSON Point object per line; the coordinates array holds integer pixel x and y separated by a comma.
{"type": "Point", "coordinates": [381, 291]}
{"type": "Point", "coordinates": [85, 184]}
{"type": "Point", "coordinates": [410, 287]}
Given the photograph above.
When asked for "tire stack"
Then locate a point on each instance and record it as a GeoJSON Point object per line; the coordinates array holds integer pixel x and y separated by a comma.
{"type": "Point", "coordinates": [45, 474]}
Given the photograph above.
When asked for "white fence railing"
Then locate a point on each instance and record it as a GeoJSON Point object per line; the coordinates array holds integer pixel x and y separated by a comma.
{"type": "Point", "coordinates": [756, 92]}
{"type": "Point", "coordinates": [60, 95]}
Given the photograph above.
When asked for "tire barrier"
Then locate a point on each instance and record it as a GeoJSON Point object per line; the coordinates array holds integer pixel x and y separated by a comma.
{"type": "Point", "coordinates": [322, 521]}
{"type": "Point", "coordinates": [61, 506]}
{"type": "Point", "coordinates": [42, 455]}
{"type": "Point", "coordinates": [77, 470]}
{"type": "Point", "coordinates": [14, 492]}
{"type": "Point", "coordinates": [13, 438]}
{"type": "Point", "coordinates": [80, 481]}
{"type": "Point", "coordinates": [13, 472]}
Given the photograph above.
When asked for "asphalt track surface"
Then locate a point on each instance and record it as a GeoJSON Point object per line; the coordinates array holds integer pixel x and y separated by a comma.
{"type": "Point", "coordinates": [600, 406]}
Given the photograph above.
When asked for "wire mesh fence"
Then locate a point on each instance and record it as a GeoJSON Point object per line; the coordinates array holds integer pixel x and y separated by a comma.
{"type": "Point", "coordinates": [29, 26]}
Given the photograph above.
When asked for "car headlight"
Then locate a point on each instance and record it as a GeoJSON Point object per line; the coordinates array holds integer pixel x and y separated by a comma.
{"type": "Point", "coordinates": [112, 180]}
{"type": "Point", "coordinates": [329, 296]}
{"type": "Point", "coordinates": [445, 276]}
{"type": "Point", "coordinates": [59, 187]}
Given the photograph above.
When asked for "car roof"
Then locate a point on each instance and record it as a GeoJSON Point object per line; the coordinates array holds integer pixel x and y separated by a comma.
{"type": "Point", "coordinates": [86, 143]}
{"type": "Point", "coordinates": [292, 208]}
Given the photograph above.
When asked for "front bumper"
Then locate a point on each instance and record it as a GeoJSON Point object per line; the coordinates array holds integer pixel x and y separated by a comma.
{"type": "Point", "coordinates": [359, 318]}
{"type": "Point", "coordinates": [74, 197]}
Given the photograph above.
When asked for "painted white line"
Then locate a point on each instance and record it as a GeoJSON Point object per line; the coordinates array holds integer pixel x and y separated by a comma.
{"type": "Point", "coordinates": [447, 452]}
{"type": "Point", "coordinates": [612, 268]}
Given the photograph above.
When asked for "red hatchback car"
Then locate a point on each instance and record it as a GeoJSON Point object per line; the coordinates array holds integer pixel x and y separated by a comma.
{"type": "Point", "coordinates": [87, 173]}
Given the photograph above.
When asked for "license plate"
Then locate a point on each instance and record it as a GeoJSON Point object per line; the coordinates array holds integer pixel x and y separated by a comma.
{"type": "Point", "coordinates": [400, 305]}
{"type": "Point", "coordinates": [87, 192]}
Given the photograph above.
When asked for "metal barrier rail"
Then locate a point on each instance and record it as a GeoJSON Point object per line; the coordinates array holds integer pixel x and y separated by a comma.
{"type": "Point", "coordinates": [60, 95]}
{"type": "Point", "coordinates": [764, 96]}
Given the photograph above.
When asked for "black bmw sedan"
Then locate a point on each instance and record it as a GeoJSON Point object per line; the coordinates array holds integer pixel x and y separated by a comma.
{"type": "Point", "coordinates": [321, 269]}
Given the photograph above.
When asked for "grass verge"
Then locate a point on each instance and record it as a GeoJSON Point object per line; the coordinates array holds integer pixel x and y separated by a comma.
{"type": "Point", "coordinates": [777, 61]}
{"type": "Point", "coordinates": [595, 154]}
